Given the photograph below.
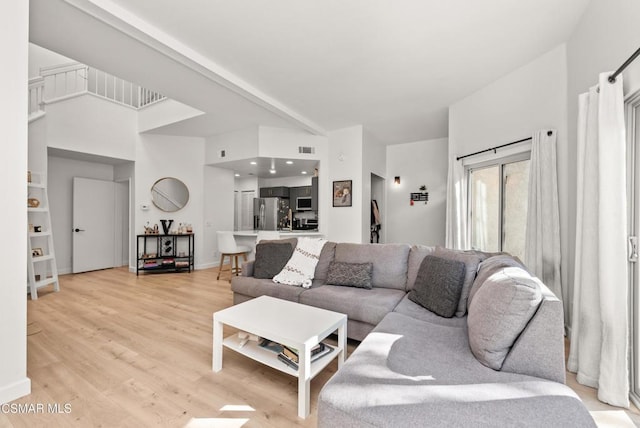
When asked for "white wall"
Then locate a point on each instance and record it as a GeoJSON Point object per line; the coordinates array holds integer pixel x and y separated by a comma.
{"type": "Point", "coordinates": [219, 211]}
{"type": "Point", "coordinates": [88, 124]}
{"type": "Point", "coordinates": [37, 157]}
{"type": "Point", "coordinates": [126, 173]}
{"type": "Point", "coordinates": [297, 181]}
{"type": "Point", "coordinates": [418, 163]}
{"type": "Point", "coordinates": [246, 183]}
{"type": "Point", "coordinates": [14, 32]}
{"type": "Point", "coordinates": [345, 224]}
{"type": "Point", "coordinates": [60, 189]}
{"type": "Point", "coordinates": [160, 156]}
{"type": "Point", "coordinates": [242, 144]}
{"type": "Point", "coordinates": [530, 98]}
{"type": "Point", "coordinates": [284, 143]}
{"type": "Point", "coordinates": [604, 38]}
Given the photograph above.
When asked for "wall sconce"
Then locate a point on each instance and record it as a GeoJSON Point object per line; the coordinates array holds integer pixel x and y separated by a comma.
{"type": "Point", "coordinates": [396, 179]}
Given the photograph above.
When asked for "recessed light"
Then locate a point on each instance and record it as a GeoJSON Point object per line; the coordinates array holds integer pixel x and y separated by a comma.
{"type": "Point", "coordinates": [272, 171]}
{"type": "Point", "coordinates": [304, 172]}
{"type": "Point", "coordinates": [253, 163]}
{"type": "Point", "coordinates": [237, 175]}
{"type": "Point", "coordinates": [289, 162]}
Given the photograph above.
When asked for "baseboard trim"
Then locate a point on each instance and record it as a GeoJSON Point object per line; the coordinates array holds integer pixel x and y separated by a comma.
{"type": "Point", "coordinates": [15, 390]}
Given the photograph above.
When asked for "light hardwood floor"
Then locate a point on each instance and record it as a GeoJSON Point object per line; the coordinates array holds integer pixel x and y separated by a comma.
{"type": "Point", "coordinates": [127, 351]}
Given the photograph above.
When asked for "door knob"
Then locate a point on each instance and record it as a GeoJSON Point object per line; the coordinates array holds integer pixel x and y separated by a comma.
{"type": "Point", "coordinates": [78, 230]}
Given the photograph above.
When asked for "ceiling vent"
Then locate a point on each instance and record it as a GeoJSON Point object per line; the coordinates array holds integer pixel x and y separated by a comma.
{"type": "Point", "coordinates": [306, 150]}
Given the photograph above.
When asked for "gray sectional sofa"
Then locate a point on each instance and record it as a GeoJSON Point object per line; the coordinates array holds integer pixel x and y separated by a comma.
{"type": "Point", "coordinates": [499, 361]}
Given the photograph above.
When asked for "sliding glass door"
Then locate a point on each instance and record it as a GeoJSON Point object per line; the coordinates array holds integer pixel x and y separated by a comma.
{"type": "Point", "coordinates": [498, 192]}
{"type": "Point", "coordinates": [632, 104]}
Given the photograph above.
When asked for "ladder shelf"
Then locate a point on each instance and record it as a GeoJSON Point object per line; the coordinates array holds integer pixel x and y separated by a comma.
{"type": "Point", "coordinates": [41, 260]}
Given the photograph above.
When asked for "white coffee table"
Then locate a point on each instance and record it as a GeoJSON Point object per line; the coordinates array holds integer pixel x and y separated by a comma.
{"type": "Point", "coordinates": [289, 323]}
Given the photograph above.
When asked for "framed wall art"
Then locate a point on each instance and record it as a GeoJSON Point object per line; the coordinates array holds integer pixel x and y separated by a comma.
{"type": "Point", "coordinates": [342, 193]}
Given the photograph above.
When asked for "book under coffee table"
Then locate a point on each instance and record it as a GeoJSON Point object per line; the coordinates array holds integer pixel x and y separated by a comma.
{"type": "Point", "coordinates": [291, 324]}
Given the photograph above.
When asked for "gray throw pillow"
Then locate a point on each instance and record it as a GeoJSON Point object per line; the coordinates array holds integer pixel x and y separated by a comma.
{"type": "Point", "coordinates": [498, 313]}
{"type": "Point", "coordinates": [471, 262]}
{"type": "Point", "coordinates": [350, 274]}
{"type": "Point", "coordinates": [438, 285]}
{"type": "Point", "coordinates": [271, 257]}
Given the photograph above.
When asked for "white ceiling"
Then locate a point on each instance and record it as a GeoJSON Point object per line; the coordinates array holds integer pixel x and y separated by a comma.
{"type": "Point", "coordinates": [393, 66]}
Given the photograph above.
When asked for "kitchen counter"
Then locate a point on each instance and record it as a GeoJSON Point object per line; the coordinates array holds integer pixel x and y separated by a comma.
{"type": "Point", "coordinates": [283, 233]}
{"type": "Point", "coordinates": [248, 237]}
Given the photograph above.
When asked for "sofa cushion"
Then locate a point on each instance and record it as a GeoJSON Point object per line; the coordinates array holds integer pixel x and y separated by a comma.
{"type": "Point", "coordinates": [416, 255]}
{"type": "Point", "coordinates": [368, 306]}
{"type": "Point", "coordinates": [438, 285]}
{"type": "Point", "coordinates": [498, 313]}
{"type": "Point", "coordinates": [389, 262]}
{"type": "Point", "coordinates": [350, 274]}
{"type": "Point", "coordinates": [414, 310]}
{"type": "Point", "coordinates": [487, 268]}
{"type": "Point", "coordinates": [254, 287]}
{"type": "Point", "coordinates": [471, 261]}
{"type": "Point", "coordinates": [271, 257]}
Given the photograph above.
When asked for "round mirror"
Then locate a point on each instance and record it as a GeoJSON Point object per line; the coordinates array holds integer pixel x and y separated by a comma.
{"type": "Point", "coordinates": [169, 194]}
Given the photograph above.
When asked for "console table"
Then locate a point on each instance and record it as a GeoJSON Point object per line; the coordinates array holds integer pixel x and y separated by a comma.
{"type": "Point", "coordinates": [165, 253]}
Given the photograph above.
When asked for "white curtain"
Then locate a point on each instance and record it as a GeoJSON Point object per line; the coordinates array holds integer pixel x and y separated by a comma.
{"type": "Point", "coordinates": [456, 222]}
{"type": "Point", "coordinates": [599, 331]}
{"type": "Point", "coordinates": [542, 241]}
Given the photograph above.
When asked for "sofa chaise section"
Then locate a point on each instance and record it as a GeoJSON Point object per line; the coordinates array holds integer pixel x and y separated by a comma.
{"type": "Point", "coordinates": [412, 373]}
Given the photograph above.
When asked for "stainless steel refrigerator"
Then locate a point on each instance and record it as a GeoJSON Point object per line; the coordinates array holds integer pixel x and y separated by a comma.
{"type": "Point", "coordinates": [269, 213]}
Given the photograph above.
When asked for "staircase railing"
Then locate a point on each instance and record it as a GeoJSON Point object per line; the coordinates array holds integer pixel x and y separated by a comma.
{"type": "Point", "coordinates": [70, 80]}
{"type": "Point", "coordinates": [36, 93]}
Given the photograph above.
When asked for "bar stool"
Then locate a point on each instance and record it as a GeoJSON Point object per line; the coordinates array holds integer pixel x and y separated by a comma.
{"type": "Point", "coordinates": [227, 247]}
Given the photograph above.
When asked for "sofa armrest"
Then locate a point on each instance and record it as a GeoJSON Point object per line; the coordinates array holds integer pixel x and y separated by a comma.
{"type": "Point", "coordinates": [247, 268]}
{"type": "Point", "coordinates": [539, 350]}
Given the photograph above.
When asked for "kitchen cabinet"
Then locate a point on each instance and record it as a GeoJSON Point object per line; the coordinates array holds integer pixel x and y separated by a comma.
{"type": "Point", "coordinates": [274, 192]}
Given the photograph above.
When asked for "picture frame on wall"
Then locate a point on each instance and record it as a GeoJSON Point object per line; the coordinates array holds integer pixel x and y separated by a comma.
{"type": "Point", "coordinates": [342, 195]}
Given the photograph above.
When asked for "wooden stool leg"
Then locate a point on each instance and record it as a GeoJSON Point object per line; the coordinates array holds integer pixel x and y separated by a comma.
{"type": "Point", "coordinates": [237, 267]}
{"type": "Point", "coordinates": [221, 263]}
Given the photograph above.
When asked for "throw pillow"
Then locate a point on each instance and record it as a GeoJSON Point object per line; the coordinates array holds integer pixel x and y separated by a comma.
{"type": "Point", "coordinates": [498, 313]}
{"type": "Point", "coordinates": [471, 262]}
{"type": "Point", "coordinates": [416, 256]}
{"type": "Point", "coordinates": [350, 274]}
{"type": "Point", "coordinates": [271, 257]}
{"type": "Point", "coordinates": [438, 285]}
{"type": "Point", "coordinates": [490, 266]}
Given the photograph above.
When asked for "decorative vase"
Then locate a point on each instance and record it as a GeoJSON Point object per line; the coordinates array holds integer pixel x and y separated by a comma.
{"type": "Point", "coordinates": [166, 226]}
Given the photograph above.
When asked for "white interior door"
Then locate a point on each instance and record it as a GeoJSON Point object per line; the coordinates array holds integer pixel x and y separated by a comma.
{"type": "Point", "coordinates": [93, 224]}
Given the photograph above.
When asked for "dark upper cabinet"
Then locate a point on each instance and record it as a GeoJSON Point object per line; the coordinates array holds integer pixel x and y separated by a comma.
{"type": "Point", "coordinates": [294, 192]}
{"type": "Point", "coordinates": [314, 193]}
{"type": "Point", "coordinates": [274, 192]}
